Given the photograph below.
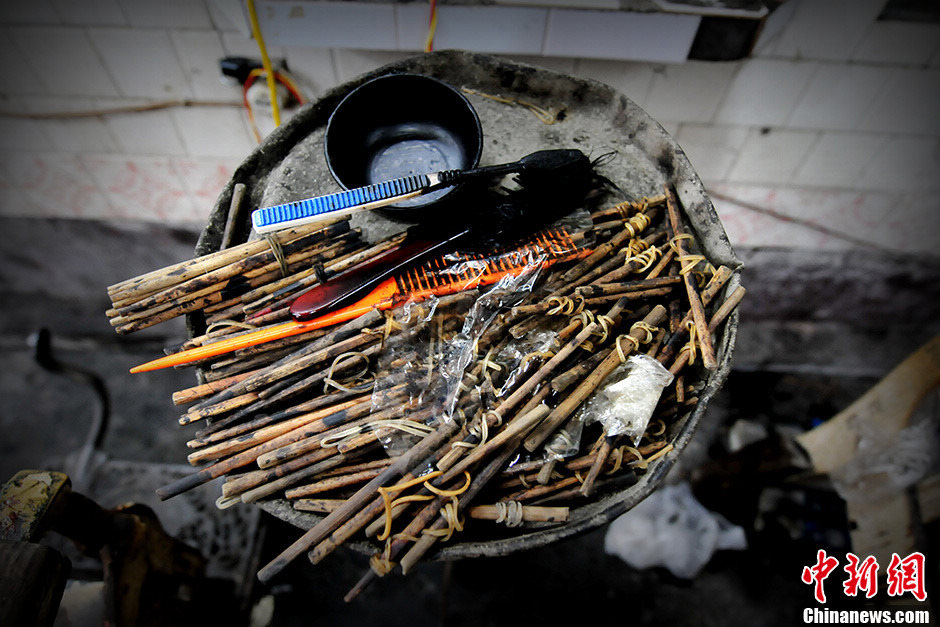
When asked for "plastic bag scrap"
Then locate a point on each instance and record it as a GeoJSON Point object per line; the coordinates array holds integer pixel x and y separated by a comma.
{"type": "Point", "coordinates": [404, 381]}
{"type": "Point", "coordinates": [888, 463]}
{"type": "Point", "coordinates": [566, 442]}
{"type": "Point", "coordinates": [625, 404]}
{"type": "Point", "coordinates": [462, 348]}
{"type": "Point", "coordinates": [424, 365]}
{"type": "Point", "coordinates": [670, 528]}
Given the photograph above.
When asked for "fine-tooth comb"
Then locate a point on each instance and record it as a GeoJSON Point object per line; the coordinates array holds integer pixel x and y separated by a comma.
{"type": "Point", "coordinates": [547, 163]}
{"type": "Point", "coordinates": [340, 204]}
{"type": "Point", "coordinates": [440, 276]}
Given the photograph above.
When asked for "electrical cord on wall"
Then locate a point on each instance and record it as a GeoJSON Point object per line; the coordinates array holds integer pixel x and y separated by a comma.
{"type": "Point", "coordinates": [432, 26]}
{"type": "Point", "coordinates": [249, 81]}
{"type": "Point", "coordinates": [266, 62]}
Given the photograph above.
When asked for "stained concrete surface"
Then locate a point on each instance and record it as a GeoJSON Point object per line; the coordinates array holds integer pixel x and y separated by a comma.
{"type": "Point", "coordinates": [790, 373]}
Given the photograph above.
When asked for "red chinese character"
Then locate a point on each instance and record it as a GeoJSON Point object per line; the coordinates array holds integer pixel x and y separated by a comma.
{"type": "Point", "coordinates": [907, 575]}
{"type": "Point", "coordinates": [862, 575]}
{"type": "Point", "coordinates": [818, 573]}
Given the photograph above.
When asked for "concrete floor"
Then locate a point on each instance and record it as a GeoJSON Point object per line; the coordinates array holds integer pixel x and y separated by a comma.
{"type": "Point", "coordinates": [54, 274]}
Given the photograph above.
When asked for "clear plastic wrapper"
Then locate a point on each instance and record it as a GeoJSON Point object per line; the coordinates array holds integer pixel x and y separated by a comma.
{"type": "Point", "coordinates": [628, 397]}
{"type": "Point", "coordinates": [434, 364]}
{"type": "Point", "coordinates": [566, 442]}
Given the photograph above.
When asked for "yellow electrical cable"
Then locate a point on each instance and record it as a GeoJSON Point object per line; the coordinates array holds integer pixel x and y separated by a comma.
{"type": "Point", "coordinates": [266, 62]}
{"type": "Point", "coordinates": [432, 27]}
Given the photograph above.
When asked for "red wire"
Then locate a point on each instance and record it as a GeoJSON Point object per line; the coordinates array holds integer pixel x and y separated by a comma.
{"type": "Point", "coordinates": [430, 45]}
{"type": "Point", "coordinates": [251, 81]}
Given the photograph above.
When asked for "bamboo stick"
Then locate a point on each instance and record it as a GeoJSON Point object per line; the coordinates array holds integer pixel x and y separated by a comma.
{"type": "Point", "coordinates": [695, 299]}
{"type": "Point", "coordinates": [717, 318]}
{"type": "Point", "coordinates": [529, 513]}
{"type": "Point", "coordinates": [589, 384]}
{"type": "Point", "coordinates": [164, 277]}
{"type": "Point", "coordinates": [321, 530]}
{"type": "Point", "coordinates": [332, 483]}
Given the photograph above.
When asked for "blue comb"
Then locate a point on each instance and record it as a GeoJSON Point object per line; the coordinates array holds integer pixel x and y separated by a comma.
{"type": "Point", "coordinates": [549, 165]}
{"type": "Point", "coordinates": [341, 203]}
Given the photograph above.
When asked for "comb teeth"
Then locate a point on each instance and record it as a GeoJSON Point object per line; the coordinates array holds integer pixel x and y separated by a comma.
{"type": "Point", "coordinates": [438, 272]}
{"type": "Point", "coordinates": [293, 213]}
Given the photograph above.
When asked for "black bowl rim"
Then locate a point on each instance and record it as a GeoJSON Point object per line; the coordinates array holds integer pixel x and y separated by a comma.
{"type": "Point", "coordinates": [474, 162]}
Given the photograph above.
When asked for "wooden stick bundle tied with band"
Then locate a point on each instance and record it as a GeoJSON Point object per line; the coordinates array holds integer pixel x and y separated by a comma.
{"type": "Point", "coordinates": [307, 419]}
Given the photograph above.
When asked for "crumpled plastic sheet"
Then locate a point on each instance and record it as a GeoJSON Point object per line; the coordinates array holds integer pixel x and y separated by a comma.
{"type": "Point", "coordinates": [671, 529]}
{"type": "Point", "coordinates": [629, 396]}
{"type": "Point", "coordinates": [888, 463]}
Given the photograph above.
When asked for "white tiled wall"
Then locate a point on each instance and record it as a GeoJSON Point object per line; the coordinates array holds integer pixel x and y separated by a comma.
{"type": "Point", "coordinates": [834, 118]}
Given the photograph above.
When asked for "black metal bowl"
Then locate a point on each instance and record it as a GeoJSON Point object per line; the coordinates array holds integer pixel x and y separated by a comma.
{"type": "Point", "coordinates": [399, 125]}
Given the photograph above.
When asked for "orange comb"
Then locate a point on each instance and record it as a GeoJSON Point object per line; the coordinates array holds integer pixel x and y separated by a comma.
{"type": "Point", "coordinates": [438, 277]}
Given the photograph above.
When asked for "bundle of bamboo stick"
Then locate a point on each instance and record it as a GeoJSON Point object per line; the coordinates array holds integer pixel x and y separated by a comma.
{"type": "Point", "coordinates": [219, 281]}
{"type": "Point", "coordinates": [311, 419]}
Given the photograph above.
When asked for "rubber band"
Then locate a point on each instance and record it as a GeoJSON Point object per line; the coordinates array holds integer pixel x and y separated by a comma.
{"type": "Point", "coordinates": [680, 236]}
{"type": "Point", "coordinates": [635, 247]}
{"type": "Point", "coordinates": [636, 224]}
{"type": "Point", "coordinates": [349, 389]}
{"type": "Point", "coordinates": [687, 262]}
{"type": "Point", "coordinates": [586, 318]}
{"type": "Point", "coordinates": [640, 462]}
{"type": "Point", "coordinates": [278, 253]}
{"type": "Point", "coordinates": [638, 206]}
{"type": "Point", "coordinates": [661, 452]}
{"type": "Point", "coordinates": [230, 323]}
{"type": "Point", "coordinates": [535, 355]}
{"type": "Point", "coordinates": [640, 325]}
{"type": "Point", "coordinates": [617, 455]}
{"type": "Point", "coordinates": [658, 432]}
{"type": "Point", "coordinates": [690, 348]}
{"type": "Point", "coordinates": [400, 424]}
{"type": "Point", "coordinates": [404, 485]}
{"type": "Point", "coordinates": [329, 381]}
{"type": "Point", "coordinates": [386, 491]}
{"type": "Point", "coordinates": [391, 324]}
{"type": "Point", "coordinates": [413, 498]}
{"type": "Point", "coordinates": [381, 563]}
{"type": "Point", "coordinates": [558, 307]}
{"type": "Point", "coordinates": [499, 417]}
{"type": "Point", "coordinates": [488, 364]}
{"type": "Point", "coordinates": [622, 209]}
{"type": "Point", "coordinates": [563, 305]}
{"type": "Point", "coordinates": [509, 513]}
{"type": "Point", "coordinates": [606, 322]}
{"type": "Point", "coordinates": [646, 258]}
{"type": "Point", "coordinates": [455, 492]}
{"type": "Point", "coordinates": [225, 502]}
{"type": "Point", "coordinates": [454, 523]}
{"type": "Point", "coordinates": [474, 381]}
{"type": "Point", "coordinates": [702, 276]}
{"type": "Point", "coordinates": [620, 351]}
{"type": "Point", "coordinates": [406, 536]}
{"type": "Point", "coordinates": [481, 430]}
